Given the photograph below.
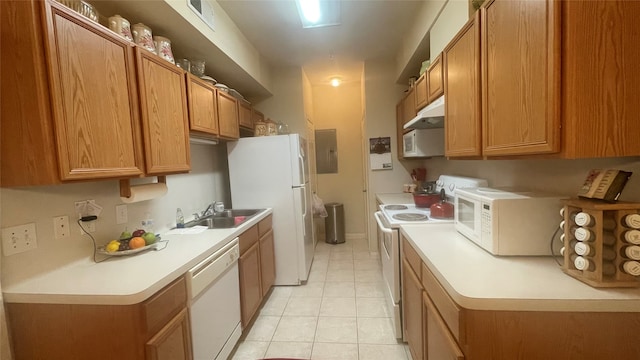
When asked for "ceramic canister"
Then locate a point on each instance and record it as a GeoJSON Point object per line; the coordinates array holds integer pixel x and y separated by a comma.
{"type": "Point", "coordinates": [163, 47]}
{"type": "Point", "coordinates": [142, 36]}
{"type": "Point", "coordinates": [120, 26]}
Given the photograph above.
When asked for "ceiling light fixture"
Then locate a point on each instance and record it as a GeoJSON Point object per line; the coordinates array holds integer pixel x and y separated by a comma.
{"type": "Point", "coordinates": [310, 10]}
{"type": "Point", "coordinates": [318, 13]}
{"type": "Point", "coordinates": [335, 82]}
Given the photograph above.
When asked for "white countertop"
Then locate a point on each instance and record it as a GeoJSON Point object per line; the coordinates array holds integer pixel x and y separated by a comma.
{"type": "Point", "coordinates": [123, 280]}
{"type": "Point", "coordinates": [395, 198]}
{"type": "Point", "coordinates": [475, 279]}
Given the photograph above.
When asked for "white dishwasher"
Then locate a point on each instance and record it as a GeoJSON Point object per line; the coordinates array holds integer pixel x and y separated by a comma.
{"type": "Point", "coordinates": [214, 286]}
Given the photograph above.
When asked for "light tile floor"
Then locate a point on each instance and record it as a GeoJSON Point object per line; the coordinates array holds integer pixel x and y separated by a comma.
{"type": "Point", "coordinates": [340, 313]}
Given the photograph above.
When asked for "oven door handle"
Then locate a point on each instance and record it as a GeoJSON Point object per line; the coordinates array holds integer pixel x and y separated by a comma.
{"type": "Point", "coordinates": [381, 226]}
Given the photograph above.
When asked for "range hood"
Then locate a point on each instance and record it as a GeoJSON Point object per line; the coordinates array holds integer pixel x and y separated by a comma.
{"type": "Point", "coordinates": [432, 116]}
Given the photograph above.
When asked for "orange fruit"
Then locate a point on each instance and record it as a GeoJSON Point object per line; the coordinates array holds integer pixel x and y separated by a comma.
{"type": "Point", "coordinates": [136, 242]}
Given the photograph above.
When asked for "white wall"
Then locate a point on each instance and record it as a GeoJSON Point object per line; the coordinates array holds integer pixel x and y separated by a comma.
{"type": "Point", "coordinates": [340, 108]}
{"type": "Point", "coordinates": [287, 103]}
{"type": "Point", "coordinates": [419, 30]}
{"type": "Point", "coordinates": [453, 16]}
{"type": "Point", "coordinates": [207, 182]}
{"type": "Point", "coordinates": [559, 176]}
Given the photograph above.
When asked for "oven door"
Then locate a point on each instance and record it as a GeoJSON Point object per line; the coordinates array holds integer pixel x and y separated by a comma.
{"type": "Point", "coordinates": [390, 258]}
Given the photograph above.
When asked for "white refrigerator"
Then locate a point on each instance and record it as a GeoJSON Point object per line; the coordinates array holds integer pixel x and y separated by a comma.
{"type": "Point", "coordinates": [273, 171]}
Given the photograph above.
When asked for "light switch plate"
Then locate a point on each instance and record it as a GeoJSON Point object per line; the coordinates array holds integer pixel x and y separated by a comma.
{"type": "Point", "coordinates": [17, 239]}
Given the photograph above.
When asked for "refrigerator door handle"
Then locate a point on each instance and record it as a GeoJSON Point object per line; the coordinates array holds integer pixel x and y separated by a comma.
{"type": "Point", "coordinates": [304, 212]}
{"type": "Point", "coordinates": [302, 174]}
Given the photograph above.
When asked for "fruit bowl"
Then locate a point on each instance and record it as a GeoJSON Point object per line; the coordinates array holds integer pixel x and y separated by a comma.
{"type": "Point", "coordinates": [103, 251]}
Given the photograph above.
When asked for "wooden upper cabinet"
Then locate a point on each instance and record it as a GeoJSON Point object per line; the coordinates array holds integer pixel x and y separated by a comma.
{"type": "Point", "coordinates": [600, 78]}
{"type": "Point", "coordinates": [409, 107]}
{"type": "Point", "coordinates": [520, 77]}
{"type": "Point", "coordinates": [245, 116]}
{"type": "Point", "coordinates": [462, 89]}
{"type": "Point", "coordinates": [69, 109]}
{"type": "Point", "coordinates": [421, 92]}
{"type": "Point", "coordinates": [203, 109]}
{"type": "Point", "coordinates": [435, 82]}
{"type": "Point", "coordinates": [164, 114]}
{"type": "Point", "coordinates": [228, 116]}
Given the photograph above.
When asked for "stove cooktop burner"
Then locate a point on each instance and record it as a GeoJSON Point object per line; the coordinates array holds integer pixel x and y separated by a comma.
{"type": "Point", "coordinates": [396, 207]}
{"type": "Point", "coordinates": [410, 217]}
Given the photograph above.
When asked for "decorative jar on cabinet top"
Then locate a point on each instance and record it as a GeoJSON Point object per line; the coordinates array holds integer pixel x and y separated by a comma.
{"type": "Point", "coordinates": [120, 26]}
{"type": "Point", "coordinates": [163, 47]}
{"type": "Point", "coordinates": [143, 37]}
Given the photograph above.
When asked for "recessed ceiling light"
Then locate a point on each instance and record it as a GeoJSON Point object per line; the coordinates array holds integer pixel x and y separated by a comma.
{"type": "Point", "coordinates": [335, 82]}
{"type": "Point", "coordinates": [310, 10]}
{"type": "Point", "coordinates": [318, 13]}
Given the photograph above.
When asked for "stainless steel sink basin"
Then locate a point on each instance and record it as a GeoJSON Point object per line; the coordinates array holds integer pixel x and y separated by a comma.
{"type": "Point", "coordinates": [227, 219]}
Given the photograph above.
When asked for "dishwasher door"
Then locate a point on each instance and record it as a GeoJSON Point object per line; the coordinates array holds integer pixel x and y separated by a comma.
{"type": "Point", "coordinates": [214, 285]}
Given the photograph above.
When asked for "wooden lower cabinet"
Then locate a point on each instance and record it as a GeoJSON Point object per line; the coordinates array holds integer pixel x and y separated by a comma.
{"type": "Point", "coordinates": [250, 284]}
{"type": "Point", "coordinates": [450, 332]}
{"type": "Point", "coordinates": [438, 342]}
{"type": "Point", "coordinates": [257, 268]}
{"type": "Point", "coordinates": [412, 310]}
{"type": "Point", "coordinates": [267, 262]}
{"type": "Point", "coordinates": [173, 342]}
{"type": "Point", "coordinates": [157, 328]}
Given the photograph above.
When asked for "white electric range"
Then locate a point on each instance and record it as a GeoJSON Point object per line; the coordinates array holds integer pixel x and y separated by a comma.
{"type": "Point", "coordinates": [389, 219]}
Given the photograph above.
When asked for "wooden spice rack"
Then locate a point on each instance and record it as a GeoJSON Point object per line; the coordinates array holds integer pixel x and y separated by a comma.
{"type": "Point", "coordinates": [599, 211]}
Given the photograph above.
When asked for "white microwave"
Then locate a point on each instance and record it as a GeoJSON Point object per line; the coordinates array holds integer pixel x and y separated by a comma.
{"type": "Point", "coordinates": [423, 143]}
{"type": "Point", "coordinates": [507, 221]}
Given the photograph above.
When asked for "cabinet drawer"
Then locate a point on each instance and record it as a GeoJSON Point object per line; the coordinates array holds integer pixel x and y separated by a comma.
{"type": "Point", "coordinates": [447, 308]}
{"type": "Point", "coordinates": [412, 256]}
{"type": "Point", "coordinates": [164, 305]}
{"type": "Point", "coordinates": [265, 225]}
{"type": "Point", "coordinates": [248, 238]}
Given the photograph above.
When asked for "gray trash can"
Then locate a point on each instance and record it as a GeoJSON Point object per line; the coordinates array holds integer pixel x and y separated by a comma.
{"type": "Point", "coordinates": [334, 223]}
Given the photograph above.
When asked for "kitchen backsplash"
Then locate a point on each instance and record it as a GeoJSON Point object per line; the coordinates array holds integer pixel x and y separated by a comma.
{"type": "Point", "coordinates": [562, 177]}
{"type": "Point", "coordinates": [207, 181]}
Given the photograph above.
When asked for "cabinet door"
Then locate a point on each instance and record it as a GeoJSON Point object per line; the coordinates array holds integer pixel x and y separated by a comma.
{"type": "Point", "coordinates": [94, 99]}
{"type": "Point", "coordinates": [462, 88]}
{"type": "Point", "coordinates": [203, 110]}
{"type": "Point", "coordinates": [438, 342]}
{"type": "Point", "coordinates": [245, 115]}
{"type": "Point", "coordinates": [164, 115]}
{"type": "Point", "coordinates": [267, 262]}
{"type": "Point", "coordinates": [520, 77]}
{"type": "Point", "coordinates": [399, 129]}
{"type": "Point", "coordinates": [409, 108]}
{"type": "Point", "coordinates": [173, 342]}
{"type": "Point", "coordinates": [600, 78]}
{"type": "Point", "coordinates": [250, 291]}
{"type": "Point", "coordinates": [421, 92]}
{"type": "Point", "coordinates": [435, 84]}
{"type": "Point", "coordinates": [228, 116]}
{"type": "Point", "coordinates": [412, 310]}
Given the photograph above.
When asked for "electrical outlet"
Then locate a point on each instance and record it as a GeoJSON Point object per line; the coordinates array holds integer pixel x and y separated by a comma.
{"type": "Point", "coordinates": [61, 227]}
{"type": "Point", "coordinates": [121, 214]}
{"type": "Point", "coordinates": [89, 226]}
{"type": "Point", "coordinates": [19, 239]}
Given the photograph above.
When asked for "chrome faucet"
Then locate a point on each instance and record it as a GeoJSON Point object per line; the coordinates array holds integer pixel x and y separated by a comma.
{"type": "Point", "coordinates": [213, 208]}
{"type": "Point", "coordinates": [208, 211]}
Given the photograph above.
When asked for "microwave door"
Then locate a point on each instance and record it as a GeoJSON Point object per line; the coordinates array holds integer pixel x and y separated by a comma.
{"type": "Point", "coordinates": [466, 215]}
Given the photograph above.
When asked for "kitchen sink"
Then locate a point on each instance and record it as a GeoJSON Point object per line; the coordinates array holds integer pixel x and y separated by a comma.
{"type": "Point", "coordinates": [226, 219]}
